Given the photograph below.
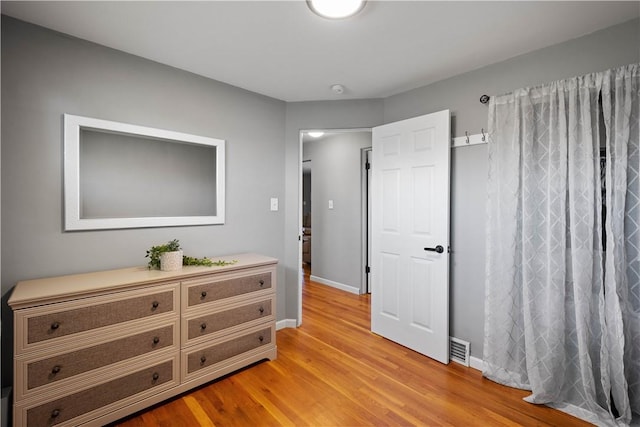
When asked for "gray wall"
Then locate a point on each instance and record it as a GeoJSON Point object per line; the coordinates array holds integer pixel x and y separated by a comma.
{"type": "Point", "coordinates": [336, 241]}
{"type": "Point", "coordinates": [46, 74]}
{"type": "Point", "coordinates": [612, 47]}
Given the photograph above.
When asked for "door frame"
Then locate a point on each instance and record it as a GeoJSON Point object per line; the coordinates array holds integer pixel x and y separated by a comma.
{"type": "Point", "coordinates": [300, 159]}
{"type": "Point", "coordinates": [365, 158]}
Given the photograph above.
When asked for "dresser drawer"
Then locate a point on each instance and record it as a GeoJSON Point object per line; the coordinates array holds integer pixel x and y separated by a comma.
{"type": "Point", "coordinates": [240, 315]}
{"type": "Point", "coordinates": [219, 288]}
{"type": "Point", "coordinates": [68, 322]}
{"type": "Point", "coordinates": [208, 357]}
{"type": "Point", "coordinates": [49, 371]}
{"type": "Point", "coordinates": [64, 410]}
{"type": "Point", "coordinates": [40, 326]}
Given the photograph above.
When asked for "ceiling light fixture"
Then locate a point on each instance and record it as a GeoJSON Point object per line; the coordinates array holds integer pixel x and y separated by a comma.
{"type": "Point", "coordinates": [336, 9]}
{"type": "Point", "coordinates": [315, 134]}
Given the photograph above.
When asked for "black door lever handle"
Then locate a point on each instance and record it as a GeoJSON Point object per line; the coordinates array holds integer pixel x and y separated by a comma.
{"type": "Point", "coordinates": [438, 249]}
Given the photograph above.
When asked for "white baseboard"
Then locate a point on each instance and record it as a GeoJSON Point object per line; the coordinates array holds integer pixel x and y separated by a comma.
{"type": "Point", "coordinates": [286, 323]}
{"type": "Point", "coordinates": [476, 363]}
{"type": "Point", "coordinates": [341, 286]}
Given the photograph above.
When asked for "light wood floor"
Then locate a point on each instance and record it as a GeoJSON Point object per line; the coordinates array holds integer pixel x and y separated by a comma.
{"type": "Point", "coordinates": [332, 371]}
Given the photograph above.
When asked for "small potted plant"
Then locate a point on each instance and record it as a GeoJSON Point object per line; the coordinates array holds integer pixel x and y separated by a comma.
{"type": "Point", "coordinates": [167, 257]}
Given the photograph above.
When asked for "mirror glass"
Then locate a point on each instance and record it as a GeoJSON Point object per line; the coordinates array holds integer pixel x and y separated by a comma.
{"type": "Point", "coordinates": [119, 175]}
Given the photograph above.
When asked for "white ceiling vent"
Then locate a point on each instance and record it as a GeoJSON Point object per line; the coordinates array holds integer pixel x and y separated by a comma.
{"type": "Point", "coordinates": [459, 351]}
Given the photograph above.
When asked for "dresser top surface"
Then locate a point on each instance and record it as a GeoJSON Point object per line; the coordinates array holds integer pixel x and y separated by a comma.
{"type": "Point", "coordinates": [51, 289]}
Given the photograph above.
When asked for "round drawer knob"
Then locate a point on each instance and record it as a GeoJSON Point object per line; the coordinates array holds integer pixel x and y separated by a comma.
{"type": "Point", "coordinates": [203, 359]}
{"type": "Point", "coordinates": [261, 310]}
{"type": "Point", "coordinates": [261, 338]}
{"type": "Point", "coordinates": [261, 282]}
{"type": "Point", "coordinates": [156, 376]}
{"type": "Point", "coordinates": [54, 326]}
{"type": "Point", "coordinates": [55, 413]}
{"type": "Point", "coordinates": [203, 326]}
{"type": "Point", "coordinates": [55, 369]}
{"type": "Point", "coordinates": [203, 294]}
{"type": "Point", "coordinates": [155, 304]}
{"type": "Point", "coordinates": [156, 340]}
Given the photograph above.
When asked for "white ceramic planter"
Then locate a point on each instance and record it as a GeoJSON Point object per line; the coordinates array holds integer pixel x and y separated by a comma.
{"type": "Point", "coordinates": [171, 261]}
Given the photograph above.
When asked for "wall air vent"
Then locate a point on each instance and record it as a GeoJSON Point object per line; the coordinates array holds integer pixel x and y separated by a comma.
{"type": "Point", "coordinates": [459, 351]}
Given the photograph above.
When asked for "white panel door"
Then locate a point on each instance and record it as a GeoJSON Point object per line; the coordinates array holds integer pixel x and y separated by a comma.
{"type": "Point", "coordinates": [410, 233]}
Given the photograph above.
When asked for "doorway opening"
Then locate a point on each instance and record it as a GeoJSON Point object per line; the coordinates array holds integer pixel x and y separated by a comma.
{"type": "Point", "coordinates": [334, 208]}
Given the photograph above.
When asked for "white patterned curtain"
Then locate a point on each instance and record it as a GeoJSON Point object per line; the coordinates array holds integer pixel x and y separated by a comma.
{"type": "Point", "coordinates": [562, 306]}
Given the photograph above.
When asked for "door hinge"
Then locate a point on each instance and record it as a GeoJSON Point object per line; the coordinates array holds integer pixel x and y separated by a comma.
{"type": "Point", "coordinates": [367, 269]}
{"type": "Point", "coordinates": [367, 166]}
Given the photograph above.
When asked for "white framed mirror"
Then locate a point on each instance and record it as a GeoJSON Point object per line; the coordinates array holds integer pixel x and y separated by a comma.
{"type": "Point", "coordinates": [119, 175]}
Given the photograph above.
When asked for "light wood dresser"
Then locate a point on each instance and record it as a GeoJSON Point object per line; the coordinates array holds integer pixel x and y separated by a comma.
{"type": "Point", "coordinates": [92, 348]}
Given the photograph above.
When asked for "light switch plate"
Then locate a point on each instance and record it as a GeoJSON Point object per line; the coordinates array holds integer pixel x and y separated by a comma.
{"type": "Point", "coordinates": [274, 203]}
{"type": "Point", "coordinates": [330, 204]}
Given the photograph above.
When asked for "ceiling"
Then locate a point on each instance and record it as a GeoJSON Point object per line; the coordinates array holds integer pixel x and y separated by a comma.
{"type": "Point", "coordinates": [283, 50]}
